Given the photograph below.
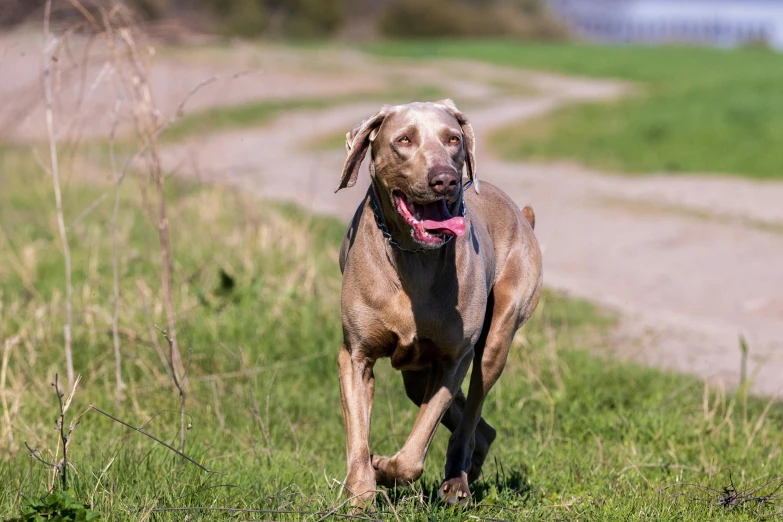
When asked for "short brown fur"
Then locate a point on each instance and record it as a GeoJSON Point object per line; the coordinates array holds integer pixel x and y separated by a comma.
{"type": "Point", "coordinates": [433, 311]}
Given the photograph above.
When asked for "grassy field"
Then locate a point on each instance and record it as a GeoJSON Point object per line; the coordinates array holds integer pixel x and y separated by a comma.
{"type": "Point", "coordinates": [698, 110]}
{"type": "Point", "coordinates": [257, 294]}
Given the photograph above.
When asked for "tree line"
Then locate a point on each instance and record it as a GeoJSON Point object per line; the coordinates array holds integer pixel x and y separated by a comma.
{"type": "Point", "coordinates": [524, 19]}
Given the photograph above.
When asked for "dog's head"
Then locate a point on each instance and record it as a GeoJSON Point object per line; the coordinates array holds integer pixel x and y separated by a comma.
{"type": "Point", "coordinates": [418, 153]}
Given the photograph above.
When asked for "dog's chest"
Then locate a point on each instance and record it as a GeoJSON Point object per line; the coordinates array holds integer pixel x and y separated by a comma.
{"type": "Point", "coordinates": [428, 327]}
{"type": "Point", "coordinates": [418, 310]}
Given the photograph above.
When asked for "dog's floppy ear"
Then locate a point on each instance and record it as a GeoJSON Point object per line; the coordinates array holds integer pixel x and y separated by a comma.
{"type": "Point", "coordinates": [357, 141]}
{"type": "Point", "coordinates": [468, 141]}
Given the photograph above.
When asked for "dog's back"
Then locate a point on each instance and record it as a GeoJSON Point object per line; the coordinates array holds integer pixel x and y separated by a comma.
{"type": "Point", "coordinates": [510, 231]}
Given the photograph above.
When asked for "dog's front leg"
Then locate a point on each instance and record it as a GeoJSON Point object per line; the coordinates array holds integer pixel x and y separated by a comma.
{"type": "Point", "coordinates": [357, 386]}
{"type": "Point", "coordinates": [416, 385]}
{"type": "Point", "coordinates": [407, 465]}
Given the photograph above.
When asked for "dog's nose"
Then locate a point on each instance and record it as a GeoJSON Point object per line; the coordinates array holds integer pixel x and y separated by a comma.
{"type": "Point", "coordinates": [443, 181]}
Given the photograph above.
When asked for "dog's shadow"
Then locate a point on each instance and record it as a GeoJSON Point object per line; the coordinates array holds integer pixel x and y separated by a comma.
{"type": "Point", "coordinates": [504, 482]}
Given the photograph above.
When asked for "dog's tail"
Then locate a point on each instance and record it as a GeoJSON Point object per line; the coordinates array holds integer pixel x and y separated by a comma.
{"type": "Point", "coordinates": [530, 216]}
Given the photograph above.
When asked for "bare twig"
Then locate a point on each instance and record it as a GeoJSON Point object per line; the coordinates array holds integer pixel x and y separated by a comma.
{"type": "Point", "coordinates": [128, 62]}
{"type": "Point", "coordinates": [62, 466]}
{"type": "Point", "coordinates": [143, 290]}
{"type": "Point", "coordinates": [333, 511]}
{"type": "Point", "coordinates": [87, 15]}
{"type": "Point", "coordinates": [153, 437]}
{"type": "Point", "coordinates": [147, 130]}
{"type": "Point", "coordinates": [385, 495]}
{"type": "Point", "coordinates": [173, 118]}
{"type": "Point", "coordinates": [86, 212]}
{"type": "Point", "coordinates": [55, 171]}
{"type": "Point", "coordinates": [180, 388]}
{"type": "Point", "coordinates": [160, 412]}
{"type": "Point", "coordinates": [34, 456]}
{"type": "Point", "coordinates": [729, 497]}
{"type": "Point", "coordinates": [201, 490]}
{"type": "Point", "coordinates": [268, 511]}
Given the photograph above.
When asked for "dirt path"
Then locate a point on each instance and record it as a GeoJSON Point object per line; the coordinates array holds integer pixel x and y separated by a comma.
{"type": "Point", "coordinates": [88, 86]}
{"type": "Point", "coordinates": [688, 262]}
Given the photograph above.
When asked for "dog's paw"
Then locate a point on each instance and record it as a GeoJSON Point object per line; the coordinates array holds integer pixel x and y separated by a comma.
{"type": "Point", "coordinates": [362, 497]}
{"type": "Point", "coordinates": [360, 487]}
{"type": "Point", "coordinates": [454, 491]}
{"type": "Point", "coordinates": [391, 471]}
{"type": "Point", "coordinates": [383, 473]}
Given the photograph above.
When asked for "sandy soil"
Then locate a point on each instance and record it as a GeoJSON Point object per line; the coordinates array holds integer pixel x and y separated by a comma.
{"type": "Point", "coordinates": [688, 262]}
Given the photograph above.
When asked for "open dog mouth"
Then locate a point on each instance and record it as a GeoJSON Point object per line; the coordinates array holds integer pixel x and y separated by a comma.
{"type": "Point", "coordinates": [431, 223]}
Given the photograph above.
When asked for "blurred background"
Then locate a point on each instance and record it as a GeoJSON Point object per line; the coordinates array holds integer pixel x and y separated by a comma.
{"type": "Point", "coordinates": [169, 231]}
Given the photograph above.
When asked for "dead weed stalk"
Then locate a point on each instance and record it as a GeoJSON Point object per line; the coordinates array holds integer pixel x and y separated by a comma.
{"type": "Point", "coordinates": [51, 47]}
{"type": "Point", "coordinates": [60, 468]}
{"type": "Point", "coordinates": [759, 501]}
{"type": "Point", "coordinates": [128, 63]}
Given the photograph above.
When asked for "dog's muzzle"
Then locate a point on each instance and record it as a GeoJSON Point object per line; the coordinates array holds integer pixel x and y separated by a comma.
{"type": "Point", "coordinates": [431, 223]}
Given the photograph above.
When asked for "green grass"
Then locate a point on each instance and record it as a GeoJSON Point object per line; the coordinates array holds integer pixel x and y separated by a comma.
{"type": "Point", "coordinates": [580, 437]}
{"type": "Point", "coordinates": [260, 112]}
{"type": "Point", "coordinates": [701, 110]}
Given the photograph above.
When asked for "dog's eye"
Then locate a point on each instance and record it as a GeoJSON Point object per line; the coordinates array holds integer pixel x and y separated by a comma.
{"type": "Point", "coordinates": [404, 139]}
{"type": "Point", "coordinates": [453, 140]}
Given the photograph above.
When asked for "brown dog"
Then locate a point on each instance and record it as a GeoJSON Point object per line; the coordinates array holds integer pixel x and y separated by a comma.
{"type": "Point", "coordinates": [434, 277]}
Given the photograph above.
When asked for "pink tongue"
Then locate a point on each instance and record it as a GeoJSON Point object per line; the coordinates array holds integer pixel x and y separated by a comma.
{"type": "Point", "coordinates": [453, 226]}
